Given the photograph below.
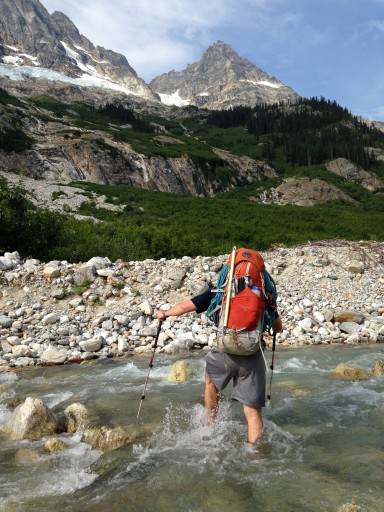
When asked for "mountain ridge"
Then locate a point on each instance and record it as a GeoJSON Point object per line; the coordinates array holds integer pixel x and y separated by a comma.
{"type": "Point", "coordinates": [36, 46]}
{"type": "Point", "coordinates": [221, 79]}
{"type": "Point", "coordinates": [33, 38]}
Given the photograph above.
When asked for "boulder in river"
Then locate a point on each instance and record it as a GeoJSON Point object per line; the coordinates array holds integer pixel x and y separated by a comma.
{"type": "Point", "coordinates": [74, 415]}
{"type": "Point", "coordinates": [181, 371]}
{"type": "Point", "coordinates": [378, 368]}
{"type": "Point", "coordinates": [54, 444]}
{"type": "Point", "coordinates": [32, 420]}
{"type": "Point", "coordinates": [106, 438]}
{"type": "Point", "coordinates": [347, 371]}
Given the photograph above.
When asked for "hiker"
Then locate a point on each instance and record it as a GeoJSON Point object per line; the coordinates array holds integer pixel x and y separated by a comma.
{"type": "Point", "coordinates": [246, 371]}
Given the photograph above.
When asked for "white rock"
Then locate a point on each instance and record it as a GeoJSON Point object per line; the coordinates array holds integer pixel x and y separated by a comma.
{"type": "Point", "coordinates": [91, 345]}
{"type": "Point", "coordinates": [21, 351]}
{"type": "Point", "coordinates": [98, 262]}
{"type": "Point", "coordinates": [319, 316]}
{"type": "Point", "coordinates": [306, 324]}
{"type": "Point", "coordinates": [122, 345]}
{"type": "Point", "coordinates": [105, 272]}
{"type": "Point", "coordinates": [297, 331]}
{"type": "Point", "coordinates": [14, 340]}
{"type": "Point", "coordinates": [50, 319]}
{"type": "Point", "coordinates": [51, 272]}
{"type": "Point", "coordinates": [122, 319]}
{"type": "Point", "coordinates": [146, 308]}
{"type": "Point", "coordinates": [54, 355]}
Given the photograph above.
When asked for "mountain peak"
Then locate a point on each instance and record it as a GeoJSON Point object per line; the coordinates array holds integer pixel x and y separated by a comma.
{"type": "Point", "coordinates": [66, 26]}
{"type": "Point", "coordinates": [222, 49]}
{"type": "Point", "coordinates": [221, 79]}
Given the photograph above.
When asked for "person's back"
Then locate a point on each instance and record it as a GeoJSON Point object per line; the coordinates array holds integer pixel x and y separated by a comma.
{"type": "Point", "coordinates": [246, 368]}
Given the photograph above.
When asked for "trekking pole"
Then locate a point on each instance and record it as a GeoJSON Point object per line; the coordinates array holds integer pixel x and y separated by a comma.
{"type": "Point", "coordinates": [149, 367]}
{"type": "Point", "coordinates": [229, 287]}
{"type": "Point", "coordinates": [272, 363]}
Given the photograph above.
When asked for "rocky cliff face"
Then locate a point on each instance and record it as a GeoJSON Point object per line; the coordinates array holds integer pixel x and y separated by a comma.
{"type": "Point", "coordinates": [51, 48]}
{"type": "Point", "coordinates": [350, 171]}
{"type": "Point", "coordinates": [219, 80]}
{"type": "Point", "coordinates": [62, 152]}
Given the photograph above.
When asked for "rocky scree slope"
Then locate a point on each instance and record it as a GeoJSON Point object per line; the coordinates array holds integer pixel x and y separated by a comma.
{"type": "Point", "coordinates": [58, 312]}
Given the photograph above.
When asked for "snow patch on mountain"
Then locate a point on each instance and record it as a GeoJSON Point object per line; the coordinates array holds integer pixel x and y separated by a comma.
{"type": "Point", "coordinates": [263, 82]}
{"type": "Point", "coordinates": [27, 72]}
{"type": "Point", "coordinates": [80, 48]}
{"type": "Point", "coordinates": [87, 68]}
{"type": "Point", "coordinates": [173, 99]}
{"type": "Point", "coordinates": [19, 58]}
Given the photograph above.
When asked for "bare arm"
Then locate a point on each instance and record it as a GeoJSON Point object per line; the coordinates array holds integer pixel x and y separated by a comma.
{"type": "Point", "coordinates": [186, 306]}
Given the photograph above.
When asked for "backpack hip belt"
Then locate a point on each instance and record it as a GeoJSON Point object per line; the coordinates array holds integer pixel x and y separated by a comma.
{"type": "Point", "coordinates": [243, 343]}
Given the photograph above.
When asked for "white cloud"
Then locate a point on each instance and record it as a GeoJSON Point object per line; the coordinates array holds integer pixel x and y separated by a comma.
{"type": "Point", "coordinates": [154, 35]}
{"type": "Point", "coordinates": [377, 26]}
{"type": "Point", "coordinates": [316, 47]}
{"type": "Point", "coordinates": [157, 36]}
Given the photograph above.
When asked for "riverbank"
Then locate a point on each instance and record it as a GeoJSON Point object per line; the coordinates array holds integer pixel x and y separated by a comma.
{"type": "Point", "coordinates": [58, 312]}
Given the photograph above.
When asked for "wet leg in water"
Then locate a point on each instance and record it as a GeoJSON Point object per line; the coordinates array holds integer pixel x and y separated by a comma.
{"type": "Point", "coordinates": [255, 422]}
{"type": "Point", "coordinates": [212, 399]}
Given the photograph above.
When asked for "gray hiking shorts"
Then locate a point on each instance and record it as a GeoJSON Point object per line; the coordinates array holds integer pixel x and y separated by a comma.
{"type": "Point", "coordinates": [247, 373]}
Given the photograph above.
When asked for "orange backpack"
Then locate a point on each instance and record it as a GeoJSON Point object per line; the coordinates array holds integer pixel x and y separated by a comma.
{"type": "Point", "coordinates": [247, 291]}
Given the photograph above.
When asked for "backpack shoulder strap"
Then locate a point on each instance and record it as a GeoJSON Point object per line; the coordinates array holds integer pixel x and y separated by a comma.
{"type": "Point", "coordinates": [270, 292]}
{"type": "Point", "coordinates": [213, 311]}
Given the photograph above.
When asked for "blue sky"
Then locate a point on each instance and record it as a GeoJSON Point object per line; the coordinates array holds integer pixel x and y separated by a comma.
{"type": "Point", "coordinates": [330, 48]}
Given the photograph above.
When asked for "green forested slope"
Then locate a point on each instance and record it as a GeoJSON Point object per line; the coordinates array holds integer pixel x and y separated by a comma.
{"type": "Point", "coordinates": [295, 140]}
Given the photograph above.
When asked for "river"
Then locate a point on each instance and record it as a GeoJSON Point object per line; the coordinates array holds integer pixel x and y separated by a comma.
{"type": "Point", "coordinates": [323, 444]}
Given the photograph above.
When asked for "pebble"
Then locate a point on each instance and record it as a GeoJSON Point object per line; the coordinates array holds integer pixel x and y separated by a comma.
{"type": "Point", "coordinates": [330, 292]}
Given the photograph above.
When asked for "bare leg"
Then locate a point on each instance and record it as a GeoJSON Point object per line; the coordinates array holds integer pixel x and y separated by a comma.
{"type": "Point", "coordinates": [211, 400]}
{"type": "Point", "coordinates": [255, 422]}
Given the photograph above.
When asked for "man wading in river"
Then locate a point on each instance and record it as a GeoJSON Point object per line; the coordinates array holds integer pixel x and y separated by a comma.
{"type": "Point", "coordinates": [244, 303]}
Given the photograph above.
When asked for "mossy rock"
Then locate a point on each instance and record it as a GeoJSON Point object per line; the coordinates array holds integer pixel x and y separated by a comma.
{"type": "Point", "coordinates": [106, 438]}
{"type": "Point", "coordinates": [378, 368]}
{"type": "Point", "coordinates": [349, 507]}
{"type": "Point", "coordinates": [300, 392]}
{"type": "Point", "coordinates": [347, 371]}
{"type": "Point", "coordinates": [4, 388]}
{"type": "Point", "coordinates": [25, 456]}
{"type": "Point", "coordinates": [181, 371]}
{"type": "Point", "coordinates": [55, 445]}
{"type": "Point", "coordinates": [75, 414]}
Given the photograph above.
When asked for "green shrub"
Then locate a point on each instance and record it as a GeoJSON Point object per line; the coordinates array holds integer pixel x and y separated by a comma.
{"type": "Point", "coordinates": [25, 228]}
{"type": "Point", "coordinates": [14, 140]}
{"type": "Point", "coordinates": [8, 99]}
